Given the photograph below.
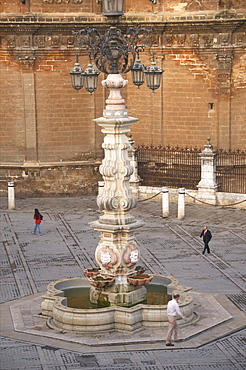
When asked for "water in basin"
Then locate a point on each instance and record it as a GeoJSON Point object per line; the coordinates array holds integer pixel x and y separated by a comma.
{"type": "Point", "coordinates": [78, 297]}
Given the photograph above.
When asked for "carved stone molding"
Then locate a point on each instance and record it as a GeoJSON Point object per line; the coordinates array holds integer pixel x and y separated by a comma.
{"type": "Point", "coordinates": [224, 60]}
{"type": "Point", "coordinates": [208, 40]}
{"type": "Point", "coordinates": [10, 41]}
{"type": "Point", "coordinates": [168, 40]}
{"type": "Point", "coordinates": [225, 39]}
{"type": "Point", "coordinates": [226, 14]}
{"type": "Point", "coordinates": [27, 62]}
{"type": "Point", "coordinates": [224, 70]}
{"type": "Point", "coordinates": [58, 38]}
{"type": "Point", "coordinates": [194, 40]}
{"type": "Point", "coordinates": [181, 39]}
{"type": "Point", "coordinates": [240, 38]}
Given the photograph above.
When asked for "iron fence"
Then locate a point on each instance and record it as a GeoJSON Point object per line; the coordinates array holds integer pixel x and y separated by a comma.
{"type": "Point", "coordinates": [181, 167]}
{"type": "Point", "coordinates": [231, 171]}
{"type": "Point", "coordinates": [169, 166]}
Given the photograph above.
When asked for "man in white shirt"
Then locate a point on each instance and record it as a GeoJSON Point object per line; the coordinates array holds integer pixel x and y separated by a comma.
{"type": "Point", "coordinates": [172, 311]}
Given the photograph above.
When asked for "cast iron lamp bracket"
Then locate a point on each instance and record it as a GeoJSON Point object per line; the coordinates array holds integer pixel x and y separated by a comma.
{"type": "Point", "coordinates": [113, 52]}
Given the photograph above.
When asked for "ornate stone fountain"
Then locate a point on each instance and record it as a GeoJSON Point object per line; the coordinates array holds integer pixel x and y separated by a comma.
{"type": "Point", "coordinates": [118, 283]}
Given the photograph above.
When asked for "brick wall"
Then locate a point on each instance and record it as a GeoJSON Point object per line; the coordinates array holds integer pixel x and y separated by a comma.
{"type": "Point", "coordinates": [50, 6]}
{"type": "Point", "coordinates": [64, 116]}
{"type": "Point", "coordinates": [199, 44]}
{"type": "Point", "coordinates": [12, 138]}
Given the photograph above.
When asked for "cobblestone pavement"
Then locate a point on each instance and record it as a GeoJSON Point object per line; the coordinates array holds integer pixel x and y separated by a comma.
{"type": "Point", "coordinates": [168, 246]}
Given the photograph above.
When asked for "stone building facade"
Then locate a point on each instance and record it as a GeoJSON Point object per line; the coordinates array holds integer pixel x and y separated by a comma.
{"type": "Point", "coordinates": [49, 143]}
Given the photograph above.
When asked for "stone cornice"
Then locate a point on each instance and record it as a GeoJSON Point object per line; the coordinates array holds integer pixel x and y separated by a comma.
{"type": "Point", "coordinates": [153, 18]}
{"type": "Point", "coordinates": [63, 24]}
{"type": "Point", "coordinates": [53, 34]}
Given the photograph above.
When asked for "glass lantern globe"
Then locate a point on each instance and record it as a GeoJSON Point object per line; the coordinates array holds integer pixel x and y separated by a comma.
{"type": "Point", "coordinates": [138, 73]}
{"type": "Point", "coordinates": [90, 76]}
{"type": "Point", "coordinates": [153, 76]}
{"type": "Point", "coordinates": [77, 76]}
{"type": "Point", "coordinates": [112, 7]}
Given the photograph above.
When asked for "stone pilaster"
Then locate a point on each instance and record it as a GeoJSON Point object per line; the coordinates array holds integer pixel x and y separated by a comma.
{"type": "Point", "coordinates": [28, 82]}
{"type": "Point", "coordinates": [224, 58]}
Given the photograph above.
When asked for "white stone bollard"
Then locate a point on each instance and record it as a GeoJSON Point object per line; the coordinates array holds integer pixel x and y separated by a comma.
{"type": "Point", "coordinates": [11, 195]}
{"type": "Point", "coordinates": [100, 187]}
{"type": "Point", "coordinates": [181, 204]}
{"type": "Point", "coordinates": [165, 202]}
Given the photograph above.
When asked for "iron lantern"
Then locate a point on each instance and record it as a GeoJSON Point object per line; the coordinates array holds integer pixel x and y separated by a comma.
{"type": "Point", "coordinates": [138, 73]}
{"type": "Point", "coordinates": [112, 8]}
{"type": "Point", "coordinates": [153, 76]}
{"type": "Point", "coordinates": [77, 75]}
{"type": "Point", "coordinates": [90, 76]}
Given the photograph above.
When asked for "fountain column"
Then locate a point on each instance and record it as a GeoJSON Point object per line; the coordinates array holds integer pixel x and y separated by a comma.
{"type": "Point", "coordinates": [117, 252]}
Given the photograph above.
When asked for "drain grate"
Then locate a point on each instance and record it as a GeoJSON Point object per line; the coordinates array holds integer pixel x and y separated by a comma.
{"type": "Point", "coordinates": [239, 300]}
{"type": "Point", "coordinates": [87, 361]}
{"type": "Point", "coordinates": [221, 265]}
{"type": "Point", "coordinates": [119, 361]}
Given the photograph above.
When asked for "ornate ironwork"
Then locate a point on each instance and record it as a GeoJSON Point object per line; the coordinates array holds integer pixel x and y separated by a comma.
{"type": "Point", "coordinates": [114, 52]}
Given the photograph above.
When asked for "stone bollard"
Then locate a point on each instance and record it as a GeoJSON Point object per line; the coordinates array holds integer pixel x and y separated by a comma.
{"type": "Point", "coordinates": [165, 202]}
{"type": "Point", "coordinates": [11, 195]}
{"type": "Point", "coordinates": [181, 204]}
{"type": "Point", "coordinates": [100, 187]}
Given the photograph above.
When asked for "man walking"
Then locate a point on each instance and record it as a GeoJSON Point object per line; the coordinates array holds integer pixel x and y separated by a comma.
{"type": "Point", "coordinates": [207, 236]}
{"type": "Point", "coordinates": [172, 311]}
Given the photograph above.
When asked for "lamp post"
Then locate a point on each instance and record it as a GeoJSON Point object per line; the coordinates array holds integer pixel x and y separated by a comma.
{"type": "Point", "coordinates": [115, 53]}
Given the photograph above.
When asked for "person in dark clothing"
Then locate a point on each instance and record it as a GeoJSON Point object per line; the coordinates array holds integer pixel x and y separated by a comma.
{"type": "Point", "coordinates": [38, 219]}
{"type": "Point", "coordinates": [207, 236]}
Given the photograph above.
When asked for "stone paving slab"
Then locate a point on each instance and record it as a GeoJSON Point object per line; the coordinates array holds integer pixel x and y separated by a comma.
{"type": "Point", "coordinates": [202, 349]}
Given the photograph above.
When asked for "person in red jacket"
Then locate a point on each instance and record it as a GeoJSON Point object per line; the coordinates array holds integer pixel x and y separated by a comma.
{"type": "Point", "coordinates": [38, 219]}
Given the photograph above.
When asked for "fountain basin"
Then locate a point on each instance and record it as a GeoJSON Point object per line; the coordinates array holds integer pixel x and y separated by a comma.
{"type": "Point", "coordinates": [91, 272]}
{"type": "Point", "coordinates": [112, 318]}
{"type": "Point", "coordinates": [99, 281]}
{"type": "Point", "coordinates": [141, 279]}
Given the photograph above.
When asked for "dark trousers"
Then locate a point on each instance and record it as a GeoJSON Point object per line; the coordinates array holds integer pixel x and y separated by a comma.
{"type": "Point", "coordinates": [206, 247]}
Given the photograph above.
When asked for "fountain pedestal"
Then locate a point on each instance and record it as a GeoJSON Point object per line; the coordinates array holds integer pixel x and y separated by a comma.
{"type": "Point", "coordinates": [117, 252]}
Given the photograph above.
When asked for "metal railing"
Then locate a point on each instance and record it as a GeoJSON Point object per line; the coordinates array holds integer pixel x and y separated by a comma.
{"type": "Point", "coordinates": [231, 171]}
{"type": "Point", "coordinates": [169, 166]}
{"type": "Point", "coordinates": [181, 167]}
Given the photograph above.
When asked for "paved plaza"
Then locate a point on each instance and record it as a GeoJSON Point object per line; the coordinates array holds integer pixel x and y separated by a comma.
{"type": "Point", "coordinates": [168, 246]}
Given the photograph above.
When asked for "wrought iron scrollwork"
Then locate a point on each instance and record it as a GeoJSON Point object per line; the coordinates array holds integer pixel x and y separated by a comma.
{"type": "Point", "coordinates": [114, 52]}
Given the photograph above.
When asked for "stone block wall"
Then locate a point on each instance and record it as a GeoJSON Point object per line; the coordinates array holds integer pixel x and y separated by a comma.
{"type": "Point", "coordinates": [57, 180]}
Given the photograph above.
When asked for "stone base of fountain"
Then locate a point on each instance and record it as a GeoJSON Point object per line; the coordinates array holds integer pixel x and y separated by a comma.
{"type": "Point", "coordinates": [62, 317]}
{"type": "Point", "coordinates": [123, 299]}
